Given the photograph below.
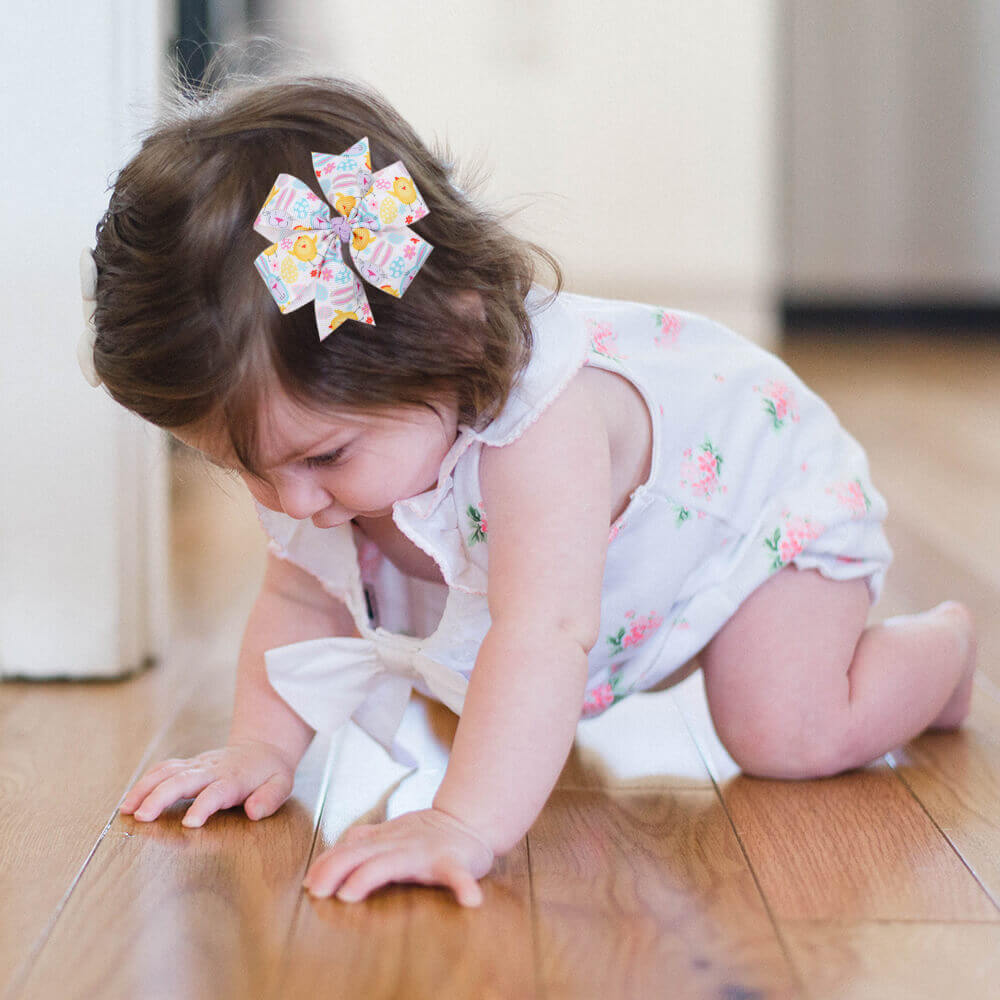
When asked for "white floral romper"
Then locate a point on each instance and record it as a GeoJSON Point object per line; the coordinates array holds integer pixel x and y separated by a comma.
{"type": "Point", "coordinates": [750, 472]}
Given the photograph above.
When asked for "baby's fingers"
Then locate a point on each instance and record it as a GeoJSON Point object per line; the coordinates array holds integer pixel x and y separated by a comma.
{"type": "Point", "coordinates": [148, 782]}
{"type": "Point", "coordinates": [223, 793]}
{"type": "Point", "coordinates": [269, 797]}
{"type": "Point", "coordinates": [185, 784]}
{"type": "Point", "coordinates": [400, 866]}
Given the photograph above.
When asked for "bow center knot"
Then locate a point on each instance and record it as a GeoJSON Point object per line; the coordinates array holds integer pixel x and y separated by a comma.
{"type": "Point", "coordinates": [342, 227]}
{"type": "Point", "coordinates": [395, 653]}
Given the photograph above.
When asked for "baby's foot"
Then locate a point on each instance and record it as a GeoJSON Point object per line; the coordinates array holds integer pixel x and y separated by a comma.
{"type": "Point", "coordinates": [957, 706]}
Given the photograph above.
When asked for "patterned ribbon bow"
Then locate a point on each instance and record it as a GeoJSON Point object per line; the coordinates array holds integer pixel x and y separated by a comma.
{"type": "Point", "coordinates": [304, 261]}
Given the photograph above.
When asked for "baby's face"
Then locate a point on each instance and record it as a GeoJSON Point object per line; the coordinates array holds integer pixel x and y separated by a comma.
{"type": "Point", "coordinates": [334, 468]}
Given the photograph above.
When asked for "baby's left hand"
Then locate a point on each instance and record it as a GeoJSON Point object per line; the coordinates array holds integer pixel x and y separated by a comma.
{"type": "Point", "coordinates": [429, 847]}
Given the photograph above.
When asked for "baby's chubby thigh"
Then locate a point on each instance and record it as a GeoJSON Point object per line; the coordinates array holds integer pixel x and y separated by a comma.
{"type": "Point", "coordinates": [776, 674]}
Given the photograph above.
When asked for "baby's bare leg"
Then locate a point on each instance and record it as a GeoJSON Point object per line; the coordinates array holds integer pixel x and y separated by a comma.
{"type": "Point", "coordinates": [798, 687]}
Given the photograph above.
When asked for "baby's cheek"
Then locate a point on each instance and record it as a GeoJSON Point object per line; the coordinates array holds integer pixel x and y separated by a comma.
{"type": "Point", "coordinates": [263, 493]}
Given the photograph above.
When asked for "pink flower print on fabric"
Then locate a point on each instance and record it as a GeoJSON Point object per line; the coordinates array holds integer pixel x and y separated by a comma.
{"type": "Point", "coordinates": [789, 539]}
{"type": "Point", "coordinates": [669, 328]}
{"type": "Point", "coordinates": [779, 402]}
{"type": "Point", "coordinates": [615, 529]}
{"type": "Point", "coordinates": [682, 512]}
{"type": "Point", "coordinates": [700, 470]}
{"type": "Point", "coordinates": [598, 700]}
{"type": "Point", "coordinates": [602, 340]}
{"type": "Point", "coordinates": [478, 522]}
{"type": "Point", "coordinates": [637, 631]}
{"type": "Point", "coordinates": [852, 496]}
{"type": "Point", "coordinates": [602, 697]}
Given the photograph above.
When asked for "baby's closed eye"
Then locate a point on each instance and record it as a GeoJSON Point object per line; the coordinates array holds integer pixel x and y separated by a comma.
{"type": "Point", "coordinates": [327, 458]}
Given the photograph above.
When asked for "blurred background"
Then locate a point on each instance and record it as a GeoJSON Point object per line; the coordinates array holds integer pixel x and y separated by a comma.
{"type": "Point", "coordinates": [785, 166]}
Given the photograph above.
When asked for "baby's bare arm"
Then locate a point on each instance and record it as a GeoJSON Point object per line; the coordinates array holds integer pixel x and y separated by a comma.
{"type": "Point", "coordinates": [266, 738]}
{"type": "Point", "coordinates": [291, 607]}
{"type": "Point", "coordinates": [548, 500]}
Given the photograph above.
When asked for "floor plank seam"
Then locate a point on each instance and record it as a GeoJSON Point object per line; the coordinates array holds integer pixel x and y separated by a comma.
{"type": "Point", "coordinates": [332, 754]}
{"type": "Point", "coordinates": [713, 776]}
{"type": "Point", "coordinates": [890, 759]}
{"type": "Point", "coordinates": [536, 948]}
{"type": "Point", "coordinates": [23, 974]}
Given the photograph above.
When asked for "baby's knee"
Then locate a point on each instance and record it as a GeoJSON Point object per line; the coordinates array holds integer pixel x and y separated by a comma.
{"type": "Point", "coordinates": [788, 752]}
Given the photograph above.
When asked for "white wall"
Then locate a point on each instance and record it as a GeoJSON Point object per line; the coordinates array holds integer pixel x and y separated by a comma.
{"type": "Point", "coordinates": [641, 133]}
{"type": "Point", "coordinates": [893, 149]}
{"type": "Point", "coordinates": [83, 487]}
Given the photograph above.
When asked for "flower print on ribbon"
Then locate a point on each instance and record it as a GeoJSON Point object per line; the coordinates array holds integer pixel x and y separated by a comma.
{"type": "Point", "coordinates": [852, 495]}
{"type": "Point", "coordinates": [669, 328]}
{"type": "Point", "coordinates": [602, 340]}
{"type": "Point", "coordinates": [700, 470]}
{"type": "Point", "coordinates": [636, 631]}
{"type": "Point", "coordinates": [478, 521]}
{"type": "Point", "coordinates": [779, 402]}
{"type": "Point", "coordinates": [790, 537]}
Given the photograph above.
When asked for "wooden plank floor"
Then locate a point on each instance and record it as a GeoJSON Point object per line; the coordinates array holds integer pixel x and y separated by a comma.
{"type": "Point", "coordinates": [656, 870]}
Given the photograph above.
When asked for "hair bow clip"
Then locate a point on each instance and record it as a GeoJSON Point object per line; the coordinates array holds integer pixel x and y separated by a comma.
{"type": "Point", "coordinates": [304, 262]}
{"type": "Point", "coordinates": [88, 292]}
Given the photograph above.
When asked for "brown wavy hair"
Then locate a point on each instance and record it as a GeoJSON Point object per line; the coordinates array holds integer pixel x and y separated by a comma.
{"type": "Point", "coordinates": [187, 329]}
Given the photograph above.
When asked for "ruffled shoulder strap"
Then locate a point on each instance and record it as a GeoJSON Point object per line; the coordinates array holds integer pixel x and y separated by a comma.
{"type": "Point", "coordinates": [559, 349]}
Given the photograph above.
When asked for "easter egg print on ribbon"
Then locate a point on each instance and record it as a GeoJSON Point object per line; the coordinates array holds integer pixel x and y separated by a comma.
{"type": "Point", "coordinates": [368, 212]}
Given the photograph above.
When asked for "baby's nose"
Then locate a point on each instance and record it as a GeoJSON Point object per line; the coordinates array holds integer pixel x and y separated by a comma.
{"type": "Point", "coordinates": [301, 497]}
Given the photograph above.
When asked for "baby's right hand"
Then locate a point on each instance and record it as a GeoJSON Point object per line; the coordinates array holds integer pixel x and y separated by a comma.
{"type": "Point", "coordinates": [251, 771]}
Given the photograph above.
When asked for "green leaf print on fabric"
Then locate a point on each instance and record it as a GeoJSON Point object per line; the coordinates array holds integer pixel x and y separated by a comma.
{"type": "Point", "coordinates": [852, 495]}
{"type": "Point", "coordinates": [636, 631]}
{"type": "Point", "coordinates": [604, 695]}
{"type": "Point", "coordinates": [700, 472]}
{"type": "Point", "coordinates": [779, 403]}
{"type": "Point", "coordinates": [669, 325]}
{"type": "Point", "coordinates": [602, 340]}
{"type": "Point", "coordinates": [790, 538]}
{"type": "Point", "coordinates": [478, 519]}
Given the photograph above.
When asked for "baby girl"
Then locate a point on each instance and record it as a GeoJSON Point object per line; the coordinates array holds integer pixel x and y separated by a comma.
{"type": "Point", "coordinates": [524, 503]}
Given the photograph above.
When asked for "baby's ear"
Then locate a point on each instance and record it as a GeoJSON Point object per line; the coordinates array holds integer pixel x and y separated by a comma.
{"type": "Point", "coordinates": [470, 303]}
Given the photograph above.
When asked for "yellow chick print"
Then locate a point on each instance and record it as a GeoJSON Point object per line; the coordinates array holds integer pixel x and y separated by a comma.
{"type": "Point", "coordinates": [341, 316]}
{"type": "Point", "coordinates": [304, 247]}
{"type": "Point", "coordinates": [390, 290]}
{"type": "Point", "coordinates": [271, 250]}
{"type": "Point", "coordinates": [403, 189]}
{"type": "Point", "coordinates": [344, 203]}
{"type": "Point", "coordinates": [368, 161]}
{"type": "Point", "coordinates": [360, 238]}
